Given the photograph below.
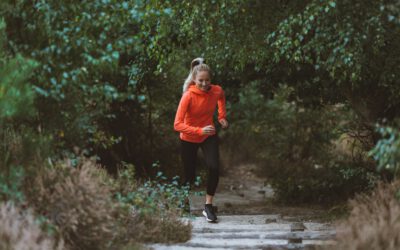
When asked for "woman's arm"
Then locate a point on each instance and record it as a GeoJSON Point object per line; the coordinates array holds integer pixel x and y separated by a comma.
{"type": "Point", "coordinates": [179, 124]}
{"type": "Point", "coordinates": [221, 107]}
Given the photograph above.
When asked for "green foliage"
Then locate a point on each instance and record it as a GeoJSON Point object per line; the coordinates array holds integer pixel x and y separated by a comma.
{"type": "Point", "coordinates": [215, 30]}
{"type": "Point", "coordinates": [334, 181]}
{"type": "Point", "coordinates": [16, 96]}
{"type": "Point", "coordinates": [11, 185]}
{"type": "Point", "coordinates": [150, 210]}
{"type": "Point", "coordinates": [46, 225]}
{"type": "Point", "coordinates": [108, 76]}
{"type": "Point", "coordinates": [155, 205]}
{"type": "Point", "coordinates": [340, 51]}
{"type": "Point", "coordinates": [295, 147]}
{"type": "Point", "coordinates": [387, 150]}
{"type": "Point", "coordinates": [21, 147]}
{"type": "Point", "coordinates": [20, 142]}
{"type": "Point", "coordinates": [97, 67]}
{"type": "Point", "coordinates": [106, 62]}
{"type": "Point", "coordinates": [295, 133]}
{"type": "Point", "coordinates": [158, 196]}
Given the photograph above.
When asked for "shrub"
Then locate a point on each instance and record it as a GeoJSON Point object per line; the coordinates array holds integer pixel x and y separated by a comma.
{"type": "Point", "coordinates": [294, 145]}
{"type": "Point", "coordinates": [16, 95]}
{"type": "Point", "coordinates": [11, 185]}
{"type": "Point", "coordinates": [157, 205]}
{"type": "Point", "coordinates": [75, 200]}
{"type": "Point", "coordinates": [387, 150]}
{"type": "Point", "coordinates": [19, 230]}
{"type": "Point", "coordinates": [165, 229]}
{"type": "Point", "coordinates": [334, 182]}
{"type": "Point", "coordinates": [374, 222]}
{"type": "Point", "coordinates": [79, 202]}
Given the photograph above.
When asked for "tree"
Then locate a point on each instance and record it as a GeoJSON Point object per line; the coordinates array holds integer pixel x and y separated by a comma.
{"type": "Point", "coordinates": [341, 52]}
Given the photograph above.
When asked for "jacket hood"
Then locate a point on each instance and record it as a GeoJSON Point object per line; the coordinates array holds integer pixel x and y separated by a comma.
{"type": "Point", "coordinates": [195, 90]}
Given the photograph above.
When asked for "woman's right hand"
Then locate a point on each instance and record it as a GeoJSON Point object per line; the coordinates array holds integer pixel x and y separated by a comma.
{"type": "Point", "coordinates": [208, 130]}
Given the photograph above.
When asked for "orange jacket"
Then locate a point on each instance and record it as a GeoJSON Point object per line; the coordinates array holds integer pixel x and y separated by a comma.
{"type": "Point", "coordinates": [196, 110]}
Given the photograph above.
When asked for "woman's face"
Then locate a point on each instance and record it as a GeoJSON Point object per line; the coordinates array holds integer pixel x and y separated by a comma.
{"type": "Point", "coordinates": [202, 80]}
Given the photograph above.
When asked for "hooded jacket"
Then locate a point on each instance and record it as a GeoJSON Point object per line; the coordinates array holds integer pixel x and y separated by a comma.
{"type": "Point", "coordinates": [196, 110]}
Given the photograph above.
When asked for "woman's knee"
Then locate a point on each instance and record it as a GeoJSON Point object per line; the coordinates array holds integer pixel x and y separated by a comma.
{"type": "Point", "coordinates": [214, 170]}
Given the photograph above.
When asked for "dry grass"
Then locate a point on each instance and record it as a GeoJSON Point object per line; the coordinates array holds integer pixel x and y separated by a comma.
{"type": "Point", "coordinates": [18, 230]}
{"type": "Point", "coordinates": [374, 222]}
{"type": "Point", "coordinates": [76, 201]}
{"type": "Point", "coordinates": [168, 229]}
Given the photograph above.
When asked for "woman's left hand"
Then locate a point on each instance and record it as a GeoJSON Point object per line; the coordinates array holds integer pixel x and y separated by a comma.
{"type": "Point", "coordinates": [224, 123]}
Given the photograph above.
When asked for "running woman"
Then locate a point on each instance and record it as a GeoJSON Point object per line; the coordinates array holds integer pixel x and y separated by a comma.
{"type": "Point", "coordinates": [194, 121]}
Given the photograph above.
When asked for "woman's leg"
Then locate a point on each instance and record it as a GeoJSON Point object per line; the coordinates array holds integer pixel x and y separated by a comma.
{"type": "Point", "coordinates": [189, 158]}
{"type": "Point", "coordinates": [211, 156]}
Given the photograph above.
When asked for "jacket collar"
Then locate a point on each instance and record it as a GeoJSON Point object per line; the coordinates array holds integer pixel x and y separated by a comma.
{"type": "Point", "coordinates": [195, 90]}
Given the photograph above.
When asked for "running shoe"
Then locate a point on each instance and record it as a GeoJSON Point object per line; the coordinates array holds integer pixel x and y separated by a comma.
{"type": "Point", "coordinates": [209, 213]}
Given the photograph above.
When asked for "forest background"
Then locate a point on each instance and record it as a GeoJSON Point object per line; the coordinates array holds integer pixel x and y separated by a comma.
{"type": "Point", "coordinates": [89, 92]}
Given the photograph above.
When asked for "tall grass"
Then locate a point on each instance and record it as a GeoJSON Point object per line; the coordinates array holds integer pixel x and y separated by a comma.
{"type": "Point", "coordinates": [374, 222]}
{"type": "Point", "coordinates": [19, 230]}
{"type": "Point", "coordinates": [79, 205]}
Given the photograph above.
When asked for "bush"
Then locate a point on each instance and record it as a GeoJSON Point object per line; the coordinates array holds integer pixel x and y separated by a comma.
{"type": "Point", "coordinates": [374, 220]}
{"type": "Point", "coordinates": [16, 95]}
{"type": "Point", "coordinates": [294, 145]}
{"type": "Point", "coordinates": [75, 200]}
{"type": "Point", "coordinates": [19, 230]}
{"type": "Point", "coordinates": [79, 202]}
{"type": "Point", "coordinates": [167, 229]}
{"type": "Point", "coordinates": [387, 150]}
{"type": "Point", "coordinates": [334, 182]}
{"type": "Point", "coordinates": [157, 206]}
{"type": "Point", "coordinates": [11, 185]}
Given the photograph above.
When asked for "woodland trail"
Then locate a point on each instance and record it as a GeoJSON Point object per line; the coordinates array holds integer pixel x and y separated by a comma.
{"type": "Point", "coordinates": [248, 219]}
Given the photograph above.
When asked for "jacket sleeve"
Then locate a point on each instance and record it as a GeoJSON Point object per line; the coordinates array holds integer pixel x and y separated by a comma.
{"type": "Point", "coordinates": [179, 124]}
{"type": "Point", "coordinates": [221, 106]}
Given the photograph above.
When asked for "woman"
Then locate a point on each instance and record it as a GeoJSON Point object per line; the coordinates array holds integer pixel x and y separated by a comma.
{"type": "Point", "coordinates": [194, 121]}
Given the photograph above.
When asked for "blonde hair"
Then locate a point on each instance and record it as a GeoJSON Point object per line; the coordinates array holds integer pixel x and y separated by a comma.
{"type": "Point", "coordinates": [199, 61]}
{"type": "Point", "coordinates": [198, 68]}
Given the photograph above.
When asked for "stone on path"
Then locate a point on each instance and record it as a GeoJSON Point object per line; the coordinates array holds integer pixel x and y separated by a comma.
{"type": "Point", "coordinates": [252, 232]}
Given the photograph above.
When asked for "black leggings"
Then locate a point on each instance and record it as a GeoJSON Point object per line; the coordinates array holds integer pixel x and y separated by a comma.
{"type": "Point", "coordinates": [211, 155]}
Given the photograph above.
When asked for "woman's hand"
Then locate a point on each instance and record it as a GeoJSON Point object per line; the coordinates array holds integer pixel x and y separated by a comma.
{"type": "Point", "coordinates": [224, 123]}
{"type": "Point", "coordinates": [208, 130]}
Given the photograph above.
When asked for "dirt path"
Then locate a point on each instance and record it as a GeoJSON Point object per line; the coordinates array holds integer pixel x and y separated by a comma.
{"type": "Point", "coordinates": [243, 191]}
{"type": "Point", "coordinates": [249, 219]}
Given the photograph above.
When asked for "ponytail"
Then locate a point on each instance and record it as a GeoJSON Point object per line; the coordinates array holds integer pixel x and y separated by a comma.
{"type": "Point", "coordinates": [189, 79]}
